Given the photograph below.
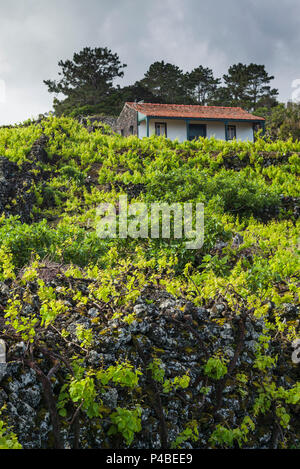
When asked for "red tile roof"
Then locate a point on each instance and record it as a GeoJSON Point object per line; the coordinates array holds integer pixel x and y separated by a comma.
{"type": "Point", "coordinates": [192, 111]}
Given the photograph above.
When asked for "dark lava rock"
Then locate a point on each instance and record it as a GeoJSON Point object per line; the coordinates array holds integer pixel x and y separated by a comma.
{"type": "Point", "coordinates": [15, 195]}
{"type": "Point", "coordinates": [38, 152]}
{"type": "Point", "coordinates": [291, 204]}
{"type": "Point", "coordinates": [176, 332]}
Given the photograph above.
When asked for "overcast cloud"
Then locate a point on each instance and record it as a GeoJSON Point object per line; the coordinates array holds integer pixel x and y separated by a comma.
{"type": "Point", "coordinates": [36, 34]}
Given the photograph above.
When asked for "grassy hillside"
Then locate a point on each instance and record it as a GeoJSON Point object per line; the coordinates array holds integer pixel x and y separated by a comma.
{"type": "Point", "coordinates": [54, 270]}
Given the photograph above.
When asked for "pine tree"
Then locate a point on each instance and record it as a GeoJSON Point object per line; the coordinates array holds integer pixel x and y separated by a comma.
{"type": "Point", "coordinates": [202, 85]}
{"type": "Point", "coordinates": [87, 79]}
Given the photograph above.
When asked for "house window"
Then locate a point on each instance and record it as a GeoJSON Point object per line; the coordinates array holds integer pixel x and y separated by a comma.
{"type": "Point", "coordinates": [231, 132]}
{"type": "Point", "coordinates": [131, 130]}
{"type": "Point", "coordinates": [122, 132]}
{"type": "Point", "coordinates": [160, 129]}
{"type": "Point", "coordinates": [196, 131]}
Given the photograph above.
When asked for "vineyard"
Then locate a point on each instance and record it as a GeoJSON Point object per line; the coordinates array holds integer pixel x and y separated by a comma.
{"type": "Point", "coordinates": [143, 343]}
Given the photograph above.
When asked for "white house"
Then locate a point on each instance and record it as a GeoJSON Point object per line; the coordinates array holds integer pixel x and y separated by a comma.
{"type": "Point", "coordinates": [187, 122]}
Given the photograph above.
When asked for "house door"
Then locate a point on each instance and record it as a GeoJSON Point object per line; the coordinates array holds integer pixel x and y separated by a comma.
{"type": "Point", "coordinates": [196, 131]}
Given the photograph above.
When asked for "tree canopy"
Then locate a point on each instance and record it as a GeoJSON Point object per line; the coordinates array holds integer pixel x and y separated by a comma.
{"type": "Point", "coordinates": [202, 85]}
{"type": "Point", "coordinates": [248, 85]}
{"type": "Point", "coordinates": [87, 85]}
{"type": "Point", "coordinates": [87, 79]}
{"type": "Point", "coordinates": [166, 82]}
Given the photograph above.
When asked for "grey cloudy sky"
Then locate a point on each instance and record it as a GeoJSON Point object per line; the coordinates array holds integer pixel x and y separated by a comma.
{"type": "Point", "coordinates": [36, 34]}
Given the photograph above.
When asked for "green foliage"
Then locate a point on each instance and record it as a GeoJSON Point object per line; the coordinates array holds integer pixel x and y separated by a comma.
{"type": "Point", "coordinates": [157, 371]}
{"type": "Point", "coordinates": [86, 78]}
{"type": "Point", "coordinates": [158, 374]}
{"type": "Point", "coordinates": [190, 433]}
{"type": "Point", "coordinates": [84, 392]}
{"type": "Point", "coordinates": [50, 306]}
{"type": "Point", "coordinates": [158, 78]}
{"type": "Point", "coordinates": [67, 242]}
{"type": "Point", "coordinates": [182, 382]}
{"type": "Point", "coordinates": [85, 336]}
{"type": "Point", "coordinates": [259, 273]}
{"type": "Point", "coordinates": [202, 85]}
{"type": "Point", "coordinates": [8, 440]}
{"type": "Point", "coordinates": [87, 83]}
{"type": "Point", "coordinates": [23, 325]}
{"type": "Point", "coordinates": [249, 85]}
{"type": "Point", "coordinates": [244, 193]}
{"type": "Point", "coordinates": [215, 368]}
{"type": "Point", "coordinates": [73, 172]}
{"type": "Point", "coordinates": [121, 374]}
{"type": "Point", "coordinates": [127, 422]}
{"type": "Point", "coordinates": [225, 437]}
{"type": "Point", "coordinates": [282, 121]}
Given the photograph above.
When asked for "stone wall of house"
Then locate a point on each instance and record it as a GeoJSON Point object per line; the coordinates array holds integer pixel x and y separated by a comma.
{"type": "Point", "coordinates": [127, 122]}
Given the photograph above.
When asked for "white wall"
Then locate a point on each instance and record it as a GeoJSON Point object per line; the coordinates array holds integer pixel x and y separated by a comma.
{"type": "Point", "coordinates": [213, 129]}
{"type": "Point", "coordinates": [244, 131]}
{"type": "Point", "coordinates": [217, 129]}
{"type": "Point", "coordinates": [142, 129]}
{"type": "Point", "coordinates": [177, 129]}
